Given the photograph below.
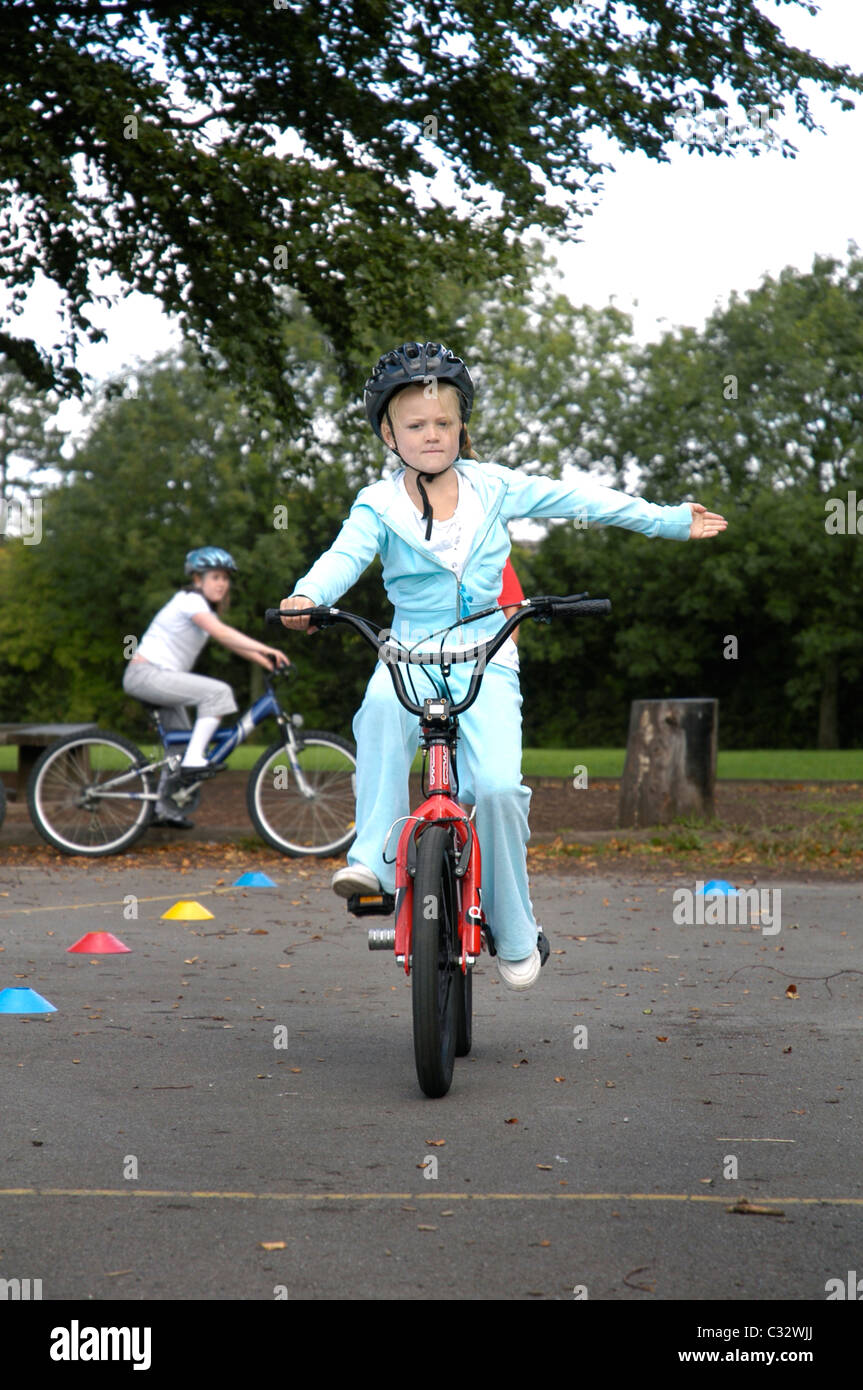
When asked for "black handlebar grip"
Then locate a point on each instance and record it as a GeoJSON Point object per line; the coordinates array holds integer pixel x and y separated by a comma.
{"type": "Point", "coordinates": [600, 606]}
{"type": "Point", "coordinates": [597, 606]}
{"type": "Point", "coordinates": [314, 615]}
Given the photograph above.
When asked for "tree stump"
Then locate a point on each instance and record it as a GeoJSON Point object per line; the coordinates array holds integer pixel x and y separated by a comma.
{"type": "Point", "coordinates": [670, 761]}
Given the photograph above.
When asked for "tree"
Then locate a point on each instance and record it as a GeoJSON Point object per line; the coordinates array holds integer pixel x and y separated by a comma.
{"type": "Point", "coordinates": [761, 411]}
{"type": "Point", "coordinates": [550, 375]}
{"type": "Point", "coordinates": [774, 608]}
{"type": "Point", "coordinates": [768, 393]}
{"type": "Point", "coordinates": [29, 441]}
{"type": "Point", "coordinates": [219, 154]}
{"type": "Point", "coordinates": [180, 463]}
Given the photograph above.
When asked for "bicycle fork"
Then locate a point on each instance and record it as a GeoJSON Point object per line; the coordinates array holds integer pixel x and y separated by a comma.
{"type": "Point", "coordinates": [467, 878]}
{"type": "Point", "coordinates": [290, 745]}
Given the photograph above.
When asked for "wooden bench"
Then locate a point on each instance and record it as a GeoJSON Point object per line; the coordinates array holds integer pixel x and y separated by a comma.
{"type": "Point", "coordinates": [31, 739]}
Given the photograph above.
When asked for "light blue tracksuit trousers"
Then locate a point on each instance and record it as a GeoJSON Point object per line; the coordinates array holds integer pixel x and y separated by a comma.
{"type": "Point", "coordinates": [489, 771]}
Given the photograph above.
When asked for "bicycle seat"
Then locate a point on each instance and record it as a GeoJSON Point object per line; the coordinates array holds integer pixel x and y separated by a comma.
{"type": "Point", "coordinates": [155, 714]}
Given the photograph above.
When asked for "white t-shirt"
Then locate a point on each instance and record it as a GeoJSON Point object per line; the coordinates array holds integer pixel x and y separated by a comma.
{"type": "Point", "coordinates": [172, 640]}
{"type": "Point", "coordinates": [451, 542]}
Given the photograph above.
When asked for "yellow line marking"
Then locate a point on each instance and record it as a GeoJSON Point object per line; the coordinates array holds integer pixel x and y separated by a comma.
{"type": "Point", "coordinates": [114, 902]}
{"type": "Point", "coordinates": [421, 1196]}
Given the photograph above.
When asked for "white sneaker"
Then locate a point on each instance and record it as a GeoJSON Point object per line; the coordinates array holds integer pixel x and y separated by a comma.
{"type": "Point", "coordinates": [520, 974]}
{"type": "Point", "coordinates": [356, 878]}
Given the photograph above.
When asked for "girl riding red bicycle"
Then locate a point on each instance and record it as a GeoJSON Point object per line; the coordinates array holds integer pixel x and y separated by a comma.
{"type": "Point", "coordinates": [439, 524]}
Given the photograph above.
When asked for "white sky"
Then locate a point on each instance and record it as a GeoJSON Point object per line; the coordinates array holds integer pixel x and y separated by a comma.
{"type": "Point", "coordinates": [668, 241]}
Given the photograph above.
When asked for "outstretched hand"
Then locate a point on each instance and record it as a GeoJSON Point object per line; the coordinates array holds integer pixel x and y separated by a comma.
{"type": "Point", "coordinates": [705, 523]}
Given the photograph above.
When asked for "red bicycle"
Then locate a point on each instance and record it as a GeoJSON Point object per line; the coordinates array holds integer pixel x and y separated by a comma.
{"type": "Point", "coordinates": [440, 927]}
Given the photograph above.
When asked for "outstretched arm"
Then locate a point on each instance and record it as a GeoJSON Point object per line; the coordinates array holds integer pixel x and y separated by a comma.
{"type": "Point", "coordinates": [235, 641]}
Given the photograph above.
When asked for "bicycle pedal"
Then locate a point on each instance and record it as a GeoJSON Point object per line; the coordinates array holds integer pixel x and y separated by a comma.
{"type": "Point", "coordinates": [382, 938]}
{"type": "Point", "coordinates": [371, 904]}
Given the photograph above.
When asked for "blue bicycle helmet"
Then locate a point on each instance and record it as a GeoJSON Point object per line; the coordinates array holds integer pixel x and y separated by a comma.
{"type": "Point", "coordinates": [209, 557]}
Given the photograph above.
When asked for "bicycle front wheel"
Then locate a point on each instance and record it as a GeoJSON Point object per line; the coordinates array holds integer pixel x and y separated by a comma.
{"type": "Point", "coordinates": [436, 976]}
{"type": "Point", "coordinates": [309, 809]}
{"type": "Point", "coordinates": [87, 794]}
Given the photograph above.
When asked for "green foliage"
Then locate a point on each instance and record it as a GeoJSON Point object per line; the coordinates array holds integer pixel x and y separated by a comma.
{"type": "Point", "coordinates": [29, 442]}
{"type": "Point", "coordinates": [222, 155]}
{"type": "Point", "coordinates": [788, 594]}
{"type": "Point", "coordinates": [759, 416]}
{"type": "Point", "coordinates": [768, 393]}
{"type": "Point", "coordinates": [767, 617]}
{"type": "Point", "coordinates": [176, 466]}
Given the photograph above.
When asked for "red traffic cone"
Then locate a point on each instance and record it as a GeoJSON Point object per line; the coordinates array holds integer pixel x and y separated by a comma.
{"type": "Point", "coordinates": [99, 943]}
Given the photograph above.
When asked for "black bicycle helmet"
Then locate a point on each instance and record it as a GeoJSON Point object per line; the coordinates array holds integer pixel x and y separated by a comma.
{"type": "Point", "coordinates": [413, 364]}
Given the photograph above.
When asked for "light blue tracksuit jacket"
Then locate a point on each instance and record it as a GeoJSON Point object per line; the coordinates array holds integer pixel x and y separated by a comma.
{"type": "Point", "coordinates": [427, 596]}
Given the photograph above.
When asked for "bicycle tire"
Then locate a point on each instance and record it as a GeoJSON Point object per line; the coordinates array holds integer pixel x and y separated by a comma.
{"type": "Point", "coordinates": [319, 826]}
{"type": "Point", "coordinates": [464, 1014]}
{"type": "Point", "coordinates": [434, 962]}
{"type": "Point", "coordinates": [65, 802]}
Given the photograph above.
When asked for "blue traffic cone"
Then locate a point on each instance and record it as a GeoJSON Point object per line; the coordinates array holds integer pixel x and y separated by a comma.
{"type": "Point", "coordinates": [24, 1001]}
{"type": "Point", "coordinates": [253, 881]}
{"type": "Point", "coordinates": [717, 885]}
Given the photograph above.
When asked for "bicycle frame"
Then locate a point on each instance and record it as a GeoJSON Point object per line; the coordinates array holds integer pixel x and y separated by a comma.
{"type": "Point", "coordinates": [226, 740]}
{"type": "Point", "coordinates": [267, 706]}
{"type": "Point", "coordinates": [439, 733]}
{"type": "Point", "coordinates": [441, 808]}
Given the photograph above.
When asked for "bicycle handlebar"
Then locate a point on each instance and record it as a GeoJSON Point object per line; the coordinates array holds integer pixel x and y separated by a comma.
{"type": "Point", "coordinates": [542, 609]}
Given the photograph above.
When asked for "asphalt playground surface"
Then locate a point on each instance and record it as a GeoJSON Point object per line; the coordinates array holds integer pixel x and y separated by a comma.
{"type": "Point", "coordinates": [246, 1081]}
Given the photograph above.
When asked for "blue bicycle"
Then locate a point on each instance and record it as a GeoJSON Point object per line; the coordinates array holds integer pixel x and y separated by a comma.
{"type": "Point", "coordinates": [95, 793]}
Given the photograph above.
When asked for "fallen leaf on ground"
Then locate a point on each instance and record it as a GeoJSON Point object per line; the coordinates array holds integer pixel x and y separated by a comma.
{"type": "Point", "coordinates": [747, 1208]}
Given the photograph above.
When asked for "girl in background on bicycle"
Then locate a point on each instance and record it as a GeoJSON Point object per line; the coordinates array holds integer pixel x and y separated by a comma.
{"type": "Point", "coordinates": [160, 672]}
{"type": "Point", "coordinates": [440, 526]}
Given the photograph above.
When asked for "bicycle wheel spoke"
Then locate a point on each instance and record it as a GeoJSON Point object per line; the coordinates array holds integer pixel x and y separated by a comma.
{"type": "Point", "coordinates": [65, 801]}
{"type": "Point", "coordinates": [318, 823]}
